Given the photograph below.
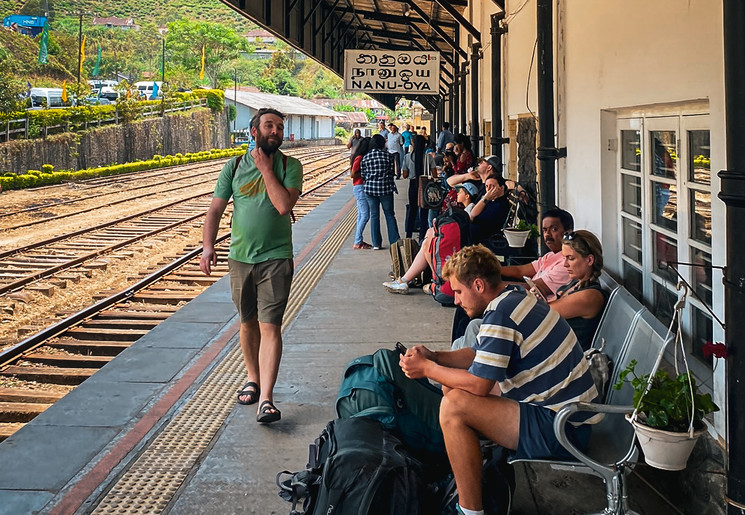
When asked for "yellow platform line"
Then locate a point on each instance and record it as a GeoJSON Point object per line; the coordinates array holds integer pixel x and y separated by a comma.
{"type": "Point", "coordinates": [152, 480]}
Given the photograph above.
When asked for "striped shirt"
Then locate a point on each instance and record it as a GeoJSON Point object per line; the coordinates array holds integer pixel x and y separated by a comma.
{"type": "Point", "coordinates": [533, 354]}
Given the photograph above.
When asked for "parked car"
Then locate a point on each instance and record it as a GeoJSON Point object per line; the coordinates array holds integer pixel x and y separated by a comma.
{"type": "Point", "coordinates": [145, 87]}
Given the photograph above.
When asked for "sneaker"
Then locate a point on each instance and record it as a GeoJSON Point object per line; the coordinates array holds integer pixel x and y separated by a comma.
{"type": "Point", "coordinates": [362, 246]}
{"type": "Point", "coordinates": [427, 288]}
{"type": "Point", "coordinates": [377, 248]}
{"type": "Point", "coordinates": [397, 286]}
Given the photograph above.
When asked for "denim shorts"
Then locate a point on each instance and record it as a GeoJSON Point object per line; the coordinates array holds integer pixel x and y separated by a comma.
{"type": "Point", "coordinates": [537, 438]}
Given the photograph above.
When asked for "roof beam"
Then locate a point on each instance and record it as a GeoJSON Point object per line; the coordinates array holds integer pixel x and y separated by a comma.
{"type": "Point", "coordinates": [426, 40]}
{"type": "Point", "coordinates": [436, 28]}
{"type": "Point", "coordinates": [445, 4]}
{"type": "Point", "coordinates": [389, 18]}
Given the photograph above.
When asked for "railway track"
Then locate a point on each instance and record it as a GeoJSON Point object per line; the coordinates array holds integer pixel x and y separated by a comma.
{"type": "Point", "coordinates": [43, 212]}
{"type": "Point", "coordinates": [41, 369]}
{"type": "Point", "coordinates": [42, 260]}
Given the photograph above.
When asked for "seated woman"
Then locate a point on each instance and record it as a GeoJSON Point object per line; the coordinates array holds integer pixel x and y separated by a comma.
{"type": "Point", "coordinates": [466, 194]}
{"type": "Point", "coordinates": [582, 301]}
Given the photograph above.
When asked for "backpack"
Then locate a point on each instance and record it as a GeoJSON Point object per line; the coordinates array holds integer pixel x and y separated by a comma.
{"type": "Point", "coordinates": [497, 484]}
{"type": "Point", "coordinates": [403, 253]}
{"type": "Point", "coordinates": [375, 387]}
{"type": "Point", "coordinates": [452, 233]}
{"type": "Point", "coordinates": [284, 167]}
{"type": "Point", "coordinates": [356, 467]}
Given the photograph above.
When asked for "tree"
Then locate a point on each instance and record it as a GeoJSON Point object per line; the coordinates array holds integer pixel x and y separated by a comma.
{"type": "Point", "coordinates": [221, 46]}
{"type": "Point", "coordinates": [11, 91]}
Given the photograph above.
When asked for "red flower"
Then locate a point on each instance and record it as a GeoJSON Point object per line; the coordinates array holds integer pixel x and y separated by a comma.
{"type": "Point", "coordinates": [718, 350]}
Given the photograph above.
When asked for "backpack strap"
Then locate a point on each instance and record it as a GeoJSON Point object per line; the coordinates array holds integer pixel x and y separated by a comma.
{"type": "Point", "coordinates": [235, 168]}
{"type": "Point", "coordinates": [284, 170]}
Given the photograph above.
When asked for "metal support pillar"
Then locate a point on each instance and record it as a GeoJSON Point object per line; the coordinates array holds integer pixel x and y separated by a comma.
{"type": "Point", "coordinates": [496, 73]}
{"type": "Point", "coordinates": [463, 126]}
{"type": "Point", "coordinates": [547, 152]}
{"type": "Point", "coordinates": [475, 116]}
{"type": "Point", "coordinates": [455, 119]}
{"type": "Point", "coordinates": [733, 195]}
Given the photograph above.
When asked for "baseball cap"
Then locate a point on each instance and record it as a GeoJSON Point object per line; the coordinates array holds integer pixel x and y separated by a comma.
{"type": "Point", "coordinates": [470, 188]}
{"type": "Point", "coordinates": [494, 161]}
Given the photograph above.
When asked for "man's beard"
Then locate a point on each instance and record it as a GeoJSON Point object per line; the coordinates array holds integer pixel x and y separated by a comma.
{"type": "Point", "coordinates": [263, 143]}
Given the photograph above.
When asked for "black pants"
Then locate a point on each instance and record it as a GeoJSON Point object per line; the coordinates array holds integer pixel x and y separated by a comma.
{"type": "Point", "coordinates": [416, 218]}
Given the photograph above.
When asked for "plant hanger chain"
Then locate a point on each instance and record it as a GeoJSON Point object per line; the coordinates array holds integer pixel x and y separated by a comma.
{"type": "Point", "coordinates": [678, 310]}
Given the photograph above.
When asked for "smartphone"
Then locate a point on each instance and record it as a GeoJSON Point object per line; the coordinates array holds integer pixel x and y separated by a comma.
{"type": "Point", "coordinates": [532, 288]}
{"type": "Point", "coordinates": [400, 347]}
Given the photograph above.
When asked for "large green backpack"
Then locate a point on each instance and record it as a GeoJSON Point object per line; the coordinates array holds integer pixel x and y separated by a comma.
{"type": "Point", "coordinates": [375, 387]}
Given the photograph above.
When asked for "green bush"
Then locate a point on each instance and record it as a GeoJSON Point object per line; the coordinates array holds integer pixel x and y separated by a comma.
{"type": "Point", "coordinates": [47, 168]}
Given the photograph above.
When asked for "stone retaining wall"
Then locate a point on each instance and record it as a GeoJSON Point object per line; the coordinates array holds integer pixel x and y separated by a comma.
{"type": "Point", "coordinates": [188, 131]}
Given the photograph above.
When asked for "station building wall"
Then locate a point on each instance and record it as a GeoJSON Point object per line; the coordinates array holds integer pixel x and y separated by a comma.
{"type": "Point", "coordinates": [620, 67]}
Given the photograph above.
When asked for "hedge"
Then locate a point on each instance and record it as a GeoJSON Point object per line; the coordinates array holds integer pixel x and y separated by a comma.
{"type": "Point", "coordinates": [47, 176]}
{"type": "Point", "coordinates": [92, 113]}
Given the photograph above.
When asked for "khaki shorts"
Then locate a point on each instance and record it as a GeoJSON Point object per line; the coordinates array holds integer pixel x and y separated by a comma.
{"type": "Point", "coordinates": [261, 288]}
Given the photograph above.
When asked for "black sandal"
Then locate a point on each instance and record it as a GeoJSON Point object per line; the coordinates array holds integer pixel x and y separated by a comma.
{"type": "Point", "coordinates": [268, 413]}
{"type": "Point", "coordinates": [250, 390]}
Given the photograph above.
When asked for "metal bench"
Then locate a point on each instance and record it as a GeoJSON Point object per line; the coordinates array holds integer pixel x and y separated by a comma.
{"type": "Point", "coordinates": [630, 331]}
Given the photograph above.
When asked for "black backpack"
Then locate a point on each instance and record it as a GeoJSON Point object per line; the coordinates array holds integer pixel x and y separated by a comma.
{"type": "Point", "coordinates": [357, 468]}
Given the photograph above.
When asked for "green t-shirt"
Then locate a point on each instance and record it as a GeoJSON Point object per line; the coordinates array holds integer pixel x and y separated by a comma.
{"type": "Point", "coordinates": [258, 232]}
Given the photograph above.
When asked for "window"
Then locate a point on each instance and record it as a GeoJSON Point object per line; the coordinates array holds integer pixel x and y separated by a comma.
{"type": "Point", "coordinates": [664, 184]}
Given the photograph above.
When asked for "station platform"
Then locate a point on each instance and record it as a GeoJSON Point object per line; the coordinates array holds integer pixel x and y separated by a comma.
{"type": "Point", "coordinates": [158, 429]}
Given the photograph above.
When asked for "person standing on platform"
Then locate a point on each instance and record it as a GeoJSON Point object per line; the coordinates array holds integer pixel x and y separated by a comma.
{"type": "Point", "coordinates": [407, 135]}
{"type": "Point", "coordinates": [265, 186]}
{"type": "Point", "coordinates": [353, 142]}
{"type": "Point", "coordinates": [396, 148]}
{"type": "Point", "coordinates": [444, 138]}
{"type": "Point", "coordinates": [377, 172]}
{"type": "Point", "coordinates": [383, 131]}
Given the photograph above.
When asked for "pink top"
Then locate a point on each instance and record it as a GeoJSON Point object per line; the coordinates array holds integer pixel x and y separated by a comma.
{"type": "Point", "coordinates": [550, 268]}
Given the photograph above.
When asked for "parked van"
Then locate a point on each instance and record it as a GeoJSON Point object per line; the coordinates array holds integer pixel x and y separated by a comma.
{"type": "Point", "coordinates": [109, 93]}
{"type": "Point", "coordinates": [145, 87]}
{"type": "Point", "coordinates": [46, 97]}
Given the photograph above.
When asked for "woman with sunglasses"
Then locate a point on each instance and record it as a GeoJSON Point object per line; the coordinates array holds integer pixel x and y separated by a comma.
{"type": "Point", "coordinates": [582, 301]}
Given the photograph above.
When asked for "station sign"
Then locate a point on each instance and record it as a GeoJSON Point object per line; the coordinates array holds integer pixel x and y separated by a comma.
{"type": "Point", "coordinates": [392, 71]}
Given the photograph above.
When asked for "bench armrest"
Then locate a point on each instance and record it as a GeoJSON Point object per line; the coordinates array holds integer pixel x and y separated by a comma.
{"type": "Point", "coordinates": [562, 416]}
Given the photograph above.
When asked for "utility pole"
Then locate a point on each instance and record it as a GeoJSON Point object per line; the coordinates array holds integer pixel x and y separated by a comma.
{"type": "Point", "coordinates": [80, 43]}
{"type": "Point", "coordinates": [235, 98]}
{"type": "Point", "coordinates": [163, 78]}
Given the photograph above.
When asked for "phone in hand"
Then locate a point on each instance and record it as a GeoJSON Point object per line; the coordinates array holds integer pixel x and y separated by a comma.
{"type": "Point", "coordinates": [400, 347]}
{"type": "Point", "coordinates": [533, 288]}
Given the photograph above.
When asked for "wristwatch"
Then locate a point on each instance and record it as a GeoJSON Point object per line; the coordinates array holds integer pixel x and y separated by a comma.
{"type": "Point", "coordinates": [485, 200]}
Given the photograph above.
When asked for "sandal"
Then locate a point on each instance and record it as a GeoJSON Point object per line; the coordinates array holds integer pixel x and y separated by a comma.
{"type": "Point", "coordinates": [250, 390]}
{"type": "Point", "coordinates": [362, 246]}
{"type": "Point", "coordinates": [268, 413]}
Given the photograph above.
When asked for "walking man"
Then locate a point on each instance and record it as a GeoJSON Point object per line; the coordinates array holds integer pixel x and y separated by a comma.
{"type": "Point", "coordinates": [265, 185]}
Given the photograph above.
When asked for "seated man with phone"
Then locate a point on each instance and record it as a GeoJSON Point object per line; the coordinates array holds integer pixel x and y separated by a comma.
{"type": "Point", "coordinates": [547, 273]}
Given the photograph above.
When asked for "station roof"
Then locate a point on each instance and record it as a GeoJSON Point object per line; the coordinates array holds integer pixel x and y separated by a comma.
{"type": "Point", "coordinates": [284, 104]}
{"type": "Point", "coordinates": [323, 29]}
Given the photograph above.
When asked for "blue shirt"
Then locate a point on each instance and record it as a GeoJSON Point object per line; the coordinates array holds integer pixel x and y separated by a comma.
{"type": "Point", "coordinates": [407, 138]}
{"type": "Point", "coordinates": [444, 138]}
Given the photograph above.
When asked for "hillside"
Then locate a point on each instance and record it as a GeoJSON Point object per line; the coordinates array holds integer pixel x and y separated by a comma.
{"type": "Point", "coordinates": [143, 11]}
{"type": "Point", "coordinates": [19, 56]}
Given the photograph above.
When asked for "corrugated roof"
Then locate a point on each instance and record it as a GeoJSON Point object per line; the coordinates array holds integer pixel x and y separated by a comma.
{"type": "Point", "coordinates": [283, 104]}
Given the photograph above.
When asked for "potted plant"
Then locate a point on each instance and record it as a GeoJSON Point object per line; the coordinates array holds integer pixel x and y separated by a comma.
{"type": "Point", "coordinates": [666, 423]}
{"type": "Point", "coordinates": [518, 234]}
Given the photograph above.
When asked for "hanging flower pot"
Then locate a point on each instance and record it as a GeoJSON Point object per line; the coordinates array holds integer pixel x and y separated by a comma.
{"type": "Point", "coordinates": [516, 237]}
{"type": "Point", "coordinates": [666, 450]}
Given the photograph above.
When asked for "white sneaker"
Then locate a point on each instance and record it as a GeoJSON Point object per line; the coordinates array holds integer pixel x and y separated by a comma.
{"type": "Point", "coordinates": [397, 286]}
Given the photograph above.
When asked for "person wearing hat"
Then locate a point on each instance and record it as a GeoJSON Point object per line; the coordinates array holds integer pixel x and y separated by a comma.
{"type": "Point", "coordinates": [466, 194]}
